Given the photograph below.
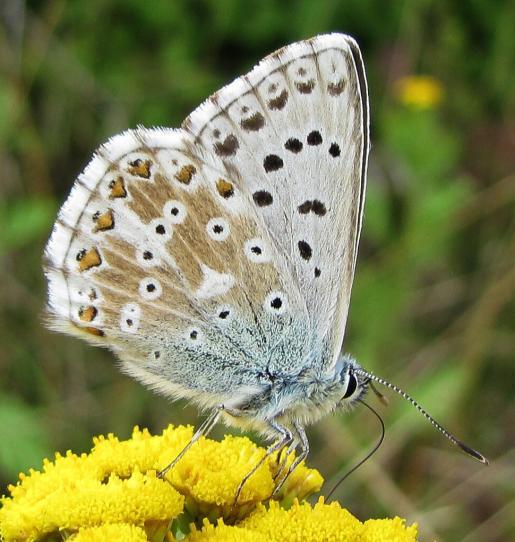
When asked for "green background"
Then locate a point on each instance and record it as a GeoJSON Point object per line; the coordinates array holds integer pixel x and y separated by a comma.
{"type": "Point", "coordinates": [432, 307]}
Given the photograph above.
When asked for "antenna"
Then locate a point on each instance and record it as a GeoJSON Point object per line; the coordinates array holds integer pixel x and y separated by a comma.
{"type": "Point", "coordinates": [367, 457]}
{"type": "Point", "coordinates": [467, 449]}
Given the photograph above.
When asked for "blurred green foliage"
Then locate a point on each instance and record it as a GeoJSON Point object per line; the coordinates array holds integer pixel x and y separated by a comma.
{"type": "Point", "coordinates": [432, 308]}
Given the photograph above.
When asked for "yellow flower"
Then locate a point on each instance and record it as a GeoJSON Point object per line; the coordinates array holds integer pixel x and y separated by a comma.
{"type": "Point", "coordinates": [115, 483]}
{"type": "Point", "coordinates": [114, 532]}
{"type": "Point", "coordinates": [303, 523]}
{"type": "Point", "coordinates": [209, 476]}
{"type": "Point", "coordinates": [419, 91]}
{"type": "Point", "coordinates": [77, 501]}
{"type": "Point", "coordinates": [227, 533]}
{"type": "Point", "coordinates": [142, 451]}
{"type": "Point", "coordinates": [394, 530]}
{"type": "Point", "coordinates": [113, 493]}
{"type": "Point", "coordinates": [301, 483]}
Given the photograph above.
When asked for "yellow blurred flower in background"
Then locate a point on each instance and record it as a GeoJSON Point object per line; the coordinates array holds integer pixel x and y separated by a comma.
{"type": "Point", "coordinates": [419, 91]}
{"type": "Point", "coordinates": [113, 493]}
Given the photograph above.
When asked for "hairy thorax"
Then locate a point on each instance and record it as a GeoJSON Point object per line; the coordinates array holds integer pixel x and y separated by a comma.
{"type": "Point", "coordinates": [302, 400]}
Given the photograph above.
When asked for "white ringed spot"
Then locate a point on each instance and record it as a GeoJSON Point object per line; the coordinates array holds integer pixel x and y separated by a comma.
{"type": "Point", "coordinates": [194, 336]}
{"type": "Point", "coordinates": [130, 318]}
{"type": "Point", "coordinates": [175, 211]}
{"type": "Point", "coordinates": [150, 288]}
{"type": "Point", "coordinates": [147, 257]}
{"type": "Point", "coordinates": [218, 229]}
{"type": "Point", "coordinates": [160, 230]}
{"type": "Point", "coordinates": [276, 303]}
{"type": "Point", "coordinates": [256, 251]}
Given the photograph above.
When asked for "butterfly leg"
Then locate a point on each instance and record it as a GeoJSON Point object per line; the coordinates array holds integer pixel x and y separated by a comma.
{"type": "Point", "coordinates": [285, 453]}
{"type": "Point", "coordinates": [303, 444]}
{"type": "Point", "coordinates": [285, 439]}
{"type": "Point", "coordinates": [204, 429]}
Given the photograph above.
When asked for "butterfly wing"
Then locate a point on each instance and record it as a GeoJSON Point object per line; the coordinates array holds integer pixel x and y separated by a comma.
{"type": "Point", "coordinates": [156, 255]}
{"type": "Point", "coordinates": [212, 256]}
{"type": "Point", "coordinates": [296, 129]}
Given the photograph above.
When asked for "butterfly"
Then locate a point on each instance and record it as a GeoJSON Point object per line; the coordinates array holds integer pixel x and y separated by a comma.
{"type": "Point", "coordinates": [216, 260]}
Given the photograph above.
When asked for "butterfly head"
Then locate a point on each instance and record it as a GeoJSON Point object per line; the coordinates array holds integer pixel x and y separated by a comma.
{"type": "Point", "coordinates": [353, 383]}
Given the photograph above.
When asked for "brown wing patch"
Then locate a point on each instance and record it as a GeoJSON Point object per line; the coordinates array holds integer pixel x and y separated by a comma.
{"type": "Point", "coordinates": [120, 280]}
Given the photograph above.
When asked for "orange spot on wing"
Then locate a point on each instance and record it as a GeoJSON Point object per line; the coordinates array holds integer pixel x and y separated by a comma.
{"type": "Point", "coordinates": [117, 188]}
{"type": "Point", "coordinates": [93, 331]}
{"type": "Point", "coordinates": [88, 259]}
{"type": "Point", "coordinates": [104, 221]}
{"type": "Point", "coordinates": [140, 168]}
{"type": "Point", "coordinates": [224, 188]}
{"type": "Point", "coordinates": [185, 174]}
{"type": "Point", "coordinates": [87, 314]}
{"type": "Point", "coordinates": [89, 330]}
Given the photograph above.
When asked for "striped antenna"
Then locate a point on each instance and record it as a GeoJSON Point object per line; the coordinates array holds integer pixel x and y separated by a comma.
{"type": "Point", "coordinates": [467, 449]}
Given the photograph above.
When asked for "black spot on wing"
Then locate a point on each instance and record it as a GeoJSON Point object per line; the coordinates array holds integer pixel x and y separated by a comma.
{"type": "Point", "coordinates": [319, 208]}
{"type": "Point", "coordinates": [272, 162]}
{"type": "Point", "coordinates": [262, 198]}
{"type": "Point", "coordinates": [305, 208]}
{"type": "Point", "coordinates": [276, 303]}
{"type": "Point", "coordinates": [278, 102]}
{"type": "Point", "coordinates": [305, 87]}
{"type": "Point", "coordinates": [293, 145]}
{"type": "Point", "coordinates": [253, 123]}
{"type": "Point", "coordinates": [228, 147]}
{"type": "Point", "coordinates": [314, 138]}
{"type": "Point", "coordinates": [335, 89]}
{"type": "Point", "coordinates": [305, 250]}
{"type": "Point", "coordinates": [315, 206]}
{"type": "Point", "coordinates": [334, 150]}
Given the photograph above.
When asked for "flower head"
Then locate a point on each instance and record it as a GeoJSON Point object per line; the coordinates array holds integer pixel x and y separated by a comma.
{"type": "Point", "coordinates": [74, 502]}
{"type": "Point", "coordinates": [210, 487]}
{"type": "Point", "coordinates": [114, 493]}
{"type": "Point", "coordinates": [419, 91]}
{"type": "Point", "coordinates": [114, 532]}
{"type": "Point", "coordinates": [304, 523]}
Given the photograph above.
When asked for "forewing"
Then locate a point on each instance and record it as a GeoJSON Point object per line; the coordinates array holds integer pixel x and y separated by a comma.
{"type": "Point", "coordinates": [296, 129]}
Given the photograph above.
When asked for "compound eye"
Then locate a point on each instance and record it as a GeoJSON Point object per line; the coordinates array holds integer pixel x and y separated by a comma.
{"type": "Point", "coordinates": [352, 384]}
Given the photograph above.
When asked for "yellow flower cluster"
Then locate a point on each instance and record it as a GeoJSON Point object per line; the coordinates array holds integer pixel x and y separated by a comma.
{"type": "Point", "coordinates": [113, 493]}
{"type": "Point", "coordinates": [112, 532]}
{"type": "Point", "coordinates": [419, 91]}
{"type": "Point", "coordinates": [302, 523]}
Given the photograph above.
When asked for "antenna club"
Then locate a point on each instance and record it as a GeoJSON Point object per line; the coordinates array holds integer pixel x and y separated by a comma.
{"type": "Point", "coordinates": [474, 453]}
